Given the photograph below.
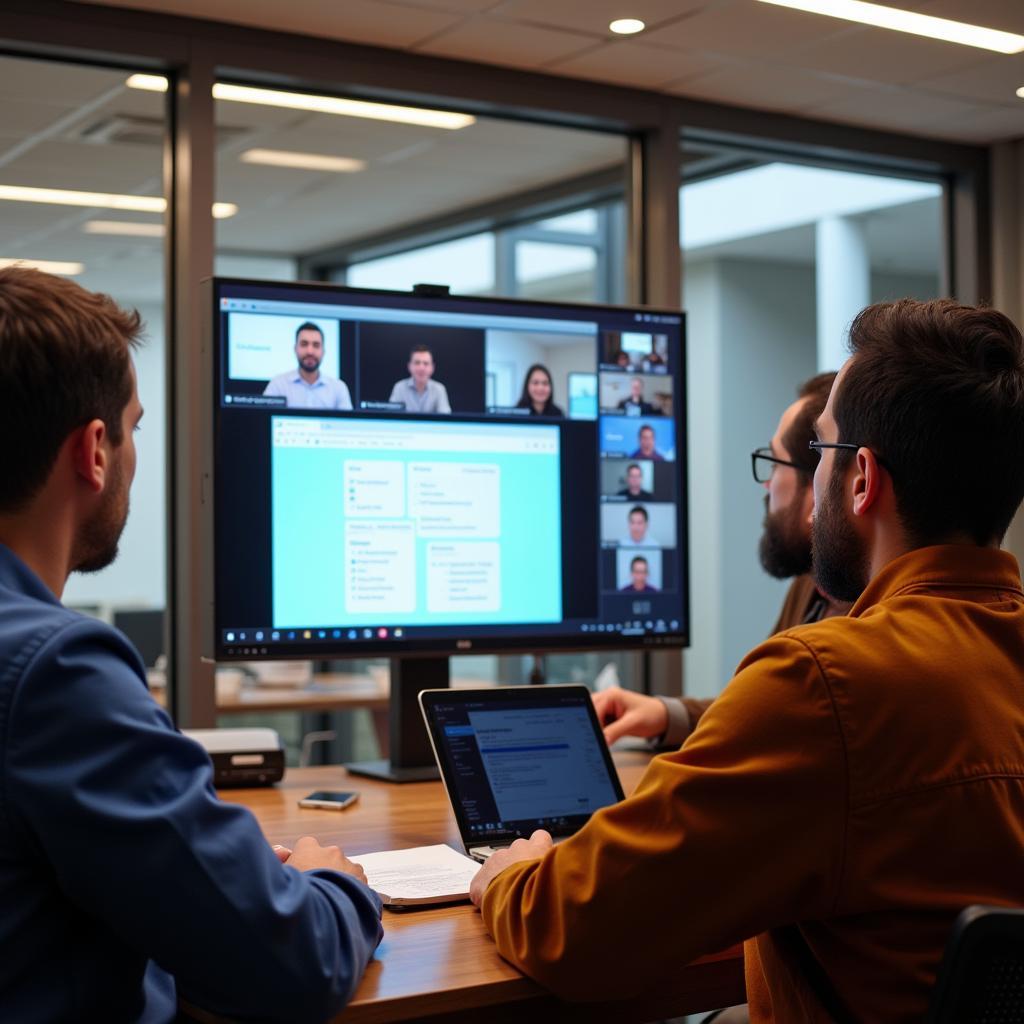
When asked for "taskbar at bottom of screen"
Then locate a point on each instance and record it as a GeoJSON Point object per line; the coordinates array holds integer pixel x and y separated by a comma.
{"type": "Point", "coordinates": [260, 640]}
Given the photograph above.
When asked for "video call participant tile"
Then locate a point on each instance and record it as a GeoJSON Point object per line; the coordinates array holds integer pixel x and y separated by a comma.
{"type": "Point", "coordinates": [421, 370]}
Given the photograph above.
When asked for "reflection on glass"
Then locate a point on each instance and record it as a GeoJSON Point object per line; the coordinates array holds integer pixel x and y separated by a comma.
{"type": "Point", "coordinates": [466, 265]}
{"type": "Point", "coordinates": [82, 178]}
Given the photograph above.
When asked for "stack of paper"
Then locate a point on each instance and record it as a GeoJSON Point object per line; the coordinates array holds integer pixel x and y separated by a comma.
{"type": "Point", "coordinates": [420, 876]}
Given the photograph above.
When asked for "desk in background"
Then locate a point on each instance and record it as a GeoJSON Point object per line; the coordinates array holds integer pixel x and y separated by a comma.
{"type": "Point", "coordinates": [440, 961]}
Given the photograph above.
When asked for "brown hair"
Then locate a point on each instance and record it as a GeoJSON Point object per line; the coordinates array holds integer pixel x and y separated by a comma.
{"type": "Point", "coordinates": [936, 390]}
{"type": "Point", "coordinates": [800, 433]}
{"type": "Point", "coordinates": [64, 360]}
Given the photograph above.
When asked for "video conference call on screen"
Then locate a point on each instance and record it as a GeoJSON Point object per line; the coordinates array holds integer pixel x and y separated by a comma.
{"type": "Point", "coordinates": [397, 470]}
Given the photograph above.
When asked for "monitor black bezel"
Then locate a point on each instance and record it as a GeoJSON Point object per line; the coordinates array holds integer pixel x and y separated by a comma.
{"type": "Point", "coordinates": [416, 646]}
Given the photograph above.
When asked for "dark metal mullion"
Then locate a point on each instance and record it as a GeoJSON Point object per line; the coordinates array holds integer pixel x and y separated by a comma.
{"type": "Point", "coordinates": [654, 206]}
{"type": "Point", "coordinates": [189, 427]}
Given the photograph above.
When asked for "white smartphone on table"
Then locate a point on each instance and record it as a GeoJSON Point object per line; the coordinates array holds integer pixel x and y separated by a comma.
{"type": "Point", "coordinates": [330, 800]}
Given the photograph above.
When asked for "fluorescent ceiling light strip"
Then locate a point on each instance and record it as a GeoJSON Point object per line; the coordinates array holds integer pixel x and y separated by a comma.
{"type": "Point", "coordinates": [68, 269]}
{"type": "Point", "coordinates": [304, 161]}
{"type": "Point", "coordinates": [319, 104]}
{"type": "Point", "coordinates": [67, 197]}
{"type": "Point", "coordinates": [123, 227]}
{"type": "Point", "coordinates": [104, 200]}
{"type": "Point", "coordinates": [908, 21]}
{"type": "Point", "coordinates": [344, 107]}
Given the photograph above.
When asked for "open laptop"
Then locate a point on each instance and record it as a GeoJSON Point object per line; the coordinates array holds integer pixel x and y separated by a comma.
{"type": "Point", "coordinates": [518, 758]}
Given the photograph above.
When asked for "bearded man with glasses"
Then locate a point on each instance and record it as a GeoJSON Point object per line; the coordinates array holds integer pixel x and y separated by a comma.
{"type": "Point", "coordinates": [785, 470]}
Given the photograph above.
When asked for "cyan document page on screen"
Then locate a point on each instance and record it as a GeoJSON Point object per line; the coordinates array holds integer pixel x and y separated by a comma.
{"type": "Point", "coordinates": [542, 762]}
{"type": "Point", "coordinates": [414, 523]}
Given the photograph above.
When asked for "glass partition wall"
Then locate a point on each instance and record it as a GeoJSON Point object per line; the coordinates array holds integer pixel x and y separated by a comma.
{"type": "Point", "coordinates": [778, 258]}
{"type": "Point", "coordinates": [553, 188]}
{"type": "Point", "coordinates": [82, 195]}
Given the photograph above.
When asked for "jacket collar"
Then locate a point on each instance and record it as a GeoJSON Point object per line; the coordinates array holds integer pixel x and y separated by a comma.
{"type": "Point", "coordinates": [16, 575]}
{"type": "Point", "coordinates": [955, 566]}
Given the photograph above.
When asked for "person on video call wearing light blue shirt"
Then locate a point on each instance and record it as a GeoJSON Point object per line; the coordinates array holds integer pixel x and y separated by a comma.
{"type": "Point", "coordinates": [418, 393]}
{"type": "Point", "coordinates": [307, 387]}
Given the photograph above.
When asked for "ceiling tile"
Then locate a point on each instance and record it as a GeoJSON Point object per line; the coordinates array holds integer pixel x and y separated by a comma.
{"type": "Point", "coordinates": [744, 29]}
{"type": "Point", "coordinates": [377, 22]}
{"type": "Point", "coordinates": [996, 81]}
{"type": "Point", "coordinates": [986, 125]}
{"type": "Point", "coordinates": [1006, 15]}
{"type": "Point", "coordinates": [499, 42]}
{"type": "Point", "coordinates": [456, 6]}
{"type": "Point", "coordinates": [81, 167]}
{"type": "Point", "coordinates": [894, 58]}
{"type": "Point", "coordinates": [624, 63]}
{"type": "Point", "coordinates": [765, 87]}
{"type": "Point", "coordinates": [902, 109]}
{"type": "Point", "coordinates": [55, 82]}
{"type": "Point", "coordinates": [26, 117]}
{"type": "Point", "coordinates": [593, 16]}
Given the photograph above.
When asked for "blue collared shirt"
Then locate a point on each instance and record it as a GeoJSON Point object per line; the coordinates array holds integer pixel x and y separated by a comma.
{"type": "Point", "coordinates": [433, 398]}
{"type": "Point", "coordinates": [324, 393]}
{"type": "Point", "coordinates": [123, 879]}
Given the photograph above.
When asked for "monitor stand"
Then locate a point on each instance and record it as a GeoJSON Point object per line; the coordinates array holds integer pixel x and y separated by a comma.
{"type": "Point", "coordinates": [412, 757]}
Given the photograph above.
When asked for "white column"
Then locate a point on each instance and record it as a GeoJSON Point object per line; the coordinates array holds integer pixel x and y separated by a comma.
{"type": "Point", "coordinates": [843, 272]}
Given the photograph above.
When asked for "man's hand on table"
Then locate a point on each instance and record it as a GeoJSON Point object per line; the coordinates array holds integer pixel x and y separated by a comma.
{"type": "Point", "coordinates": [626, 713]}
{"type": "Point", "coordinates": [309, 855]}
{"type": "Point", "coordinates": [522, 849]}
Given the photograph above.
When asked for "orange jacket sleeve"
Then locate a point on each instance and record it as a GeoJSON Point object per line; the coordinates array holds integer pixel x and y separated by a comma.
{"type": "Point", "coordinates": [738, 831]}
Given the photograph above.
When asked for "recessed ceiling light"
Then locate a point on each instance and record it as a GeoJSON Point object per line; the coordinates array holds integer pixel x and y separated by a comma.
{"type": "Point", "coordinates": [319, 104]}
{"type": "Point", "coordinates": [909, 21]}
{"type": "Point", "coordinates": [104, 200]}
{"type": "Point", "coordinates": [304, 161]}
{"type": "Point", "coordinates": [123, 227]}
{"type": "Point", "coordinates": [627, 26]}
{"type": "Point", "coordinates": [48, 266]}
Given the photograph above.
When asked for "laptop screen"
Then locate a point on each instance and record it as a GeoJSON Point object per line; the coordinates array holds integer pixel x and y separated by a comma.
{"type": "Point", "coordinates": [519, 759]}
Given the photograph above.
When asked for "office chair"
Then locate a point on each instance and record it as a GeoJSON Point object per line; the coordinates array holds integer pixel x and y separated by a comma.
{"type": "Point", "coordinates": [981, 978]}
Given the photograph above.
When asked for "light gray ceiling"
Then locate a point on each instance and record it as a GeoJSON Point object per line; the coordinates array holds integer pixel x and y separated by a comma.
{"type": "Point", "coordinates": [730, 51]}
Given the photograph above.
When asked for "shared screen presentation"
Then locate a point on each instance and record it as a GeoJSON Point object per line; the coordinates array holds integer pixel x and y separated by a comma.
{"type": "Point", "coordinates": [439, 523]}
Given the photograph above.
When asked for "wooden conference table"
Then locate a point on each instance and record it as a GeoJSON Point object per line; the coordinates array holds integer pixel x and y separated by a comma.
{"type": "Point", "coordinates": [439, 962]}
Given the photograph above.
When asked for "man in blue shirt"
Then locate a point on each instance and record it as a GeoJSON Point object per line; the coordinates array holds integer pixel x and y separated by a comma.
{"type": "Point", "coordinates": [647, 450]}
{"type": "Point", "coordinates": [307, 386]}
{"type": "Point", "coordinates": [125, 883]}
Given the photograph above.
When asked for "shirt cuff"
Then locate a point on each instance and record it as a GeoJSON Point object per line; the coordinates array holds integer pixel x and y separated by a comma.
{"type": "Point", "coordinates": [678, 727]}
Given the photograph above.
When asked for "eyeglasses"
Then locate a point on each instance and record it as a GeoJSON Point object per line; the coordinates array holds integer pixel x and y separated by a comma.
{"type": "Point", "coordinates": [818, 445]}
{"type": "Point", "coordinates": [763, 463]}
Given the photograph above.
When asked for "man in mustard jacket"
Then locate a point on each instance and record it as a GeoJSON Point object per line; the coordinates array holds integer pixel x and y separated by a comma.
{"type": "Point", "coordinates": [861, 779]}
